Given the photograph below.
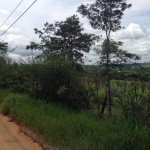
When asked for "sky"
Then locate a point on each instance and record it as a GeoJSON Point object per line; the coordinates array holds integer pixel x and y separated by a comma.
{"type": "Point", "coordinates": [136, 20]}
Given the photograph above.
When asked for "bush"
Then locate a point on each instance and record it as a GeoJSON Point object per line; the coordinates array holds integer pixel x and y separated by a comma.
{"type": "Point", "coordinates": [134, 99]}
{"type": "Point", "coordinates": [55, 80]}
{"type": "Point", "coordinates": [7, 69]}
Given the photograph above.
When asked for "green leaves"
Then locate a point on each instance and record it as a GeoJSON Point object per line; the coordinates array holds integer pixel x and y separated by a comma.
{"type": "Point", "coordinates": [66, 38]}
{"type": "Point", "coordinates": [111, 53]}
{"type": "Point", "coordinates": [104, 14]}
{"type": "Point", "coordinates": [3, 48]}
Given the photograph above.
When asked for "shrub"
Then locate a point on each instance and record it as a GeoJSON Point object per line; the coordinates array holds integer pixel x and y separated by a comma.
{"type": "Point", "coordinates": [55, 80]}
{"type": "Point", "coordinates": [133, 97]}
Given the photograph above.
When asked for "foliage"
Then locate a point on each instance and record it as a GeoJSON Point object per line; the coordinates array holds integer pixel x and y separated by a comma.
{"type": "Point", "coordinates": [133, 97]}
{"type": "Point", "coordinates": [111, 54]}
{"type": "Point", "coordinates": [54, 79]}
{"type": "Point", "coordinates": [56, 73]}
{"type": "Point", "coordinates": [7, 66]}
{"type": "Point", "coordinates": [104, 14]}
{"type": "Point", "coordinates": [94, 81]}
{"type": "Point", "coordinates": [66, 38]}
{"type": "Point", "coordinates": [3, 48]}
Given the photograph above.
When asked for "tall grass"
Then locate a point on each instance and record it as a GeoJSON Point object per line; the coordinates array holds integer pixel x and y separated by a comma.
{"type": "Point", "coordinates": [56, 125]}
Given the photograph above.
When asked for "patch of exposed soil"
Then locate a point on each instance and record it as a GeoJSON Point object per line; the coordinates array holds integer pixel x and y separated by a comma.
{"type": "Point", "coordinates": [17, 137]}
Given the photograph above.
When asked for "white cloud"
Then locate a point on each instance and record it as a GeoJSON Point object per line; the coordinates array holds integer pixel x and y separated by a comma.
{"type": "Point", "coordinates": [140, 47]}
{"type": "Point", "coordinates": [16, 40]}
{"type": "Point", "coordinates": [87, 1]}
{"type": "Point", "coordinates": [12, 30]}
{"type": "Point", "coordinates": [133, 31]}
{"type": "Point", "coordinates": [14, 56]}
{"type": "Point", "coordinates": [148, 31]}
{"type": "Point", "coordinates": [2, 11]}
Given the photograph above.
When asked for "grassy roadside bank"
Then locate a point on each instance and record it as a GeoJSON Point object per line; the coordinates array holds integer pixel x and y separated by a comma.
{"type": "Point", "coordinates": [58, 126]}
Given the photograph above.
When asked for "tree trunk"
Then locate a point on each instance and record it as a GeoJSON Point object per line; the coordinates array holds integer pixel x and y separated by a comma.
{"type": "Point", "coordinates": [108, 93]}
{"type": "Point", "coordinates": [108, 84]}
{"type": "Point", "coordinates": [104, 105]}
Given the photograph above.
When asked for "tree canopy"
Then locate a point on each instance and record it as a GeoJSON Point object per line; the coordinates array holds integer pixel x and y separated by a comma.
{"type": "Point", "coordinates": [3, 48]}
{"type": "Point", "coordinates": [116, 55]}
{"type": "Point", "coordinates": [66, 38]}
{"type": "Point", "coordinates": [104, 14]}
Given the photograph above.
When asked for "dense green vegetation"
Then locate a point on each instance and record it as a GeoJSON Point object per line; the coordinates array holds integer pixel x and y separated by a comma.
{"type": "Point", "coordinates": [64, 102]}
{"type": "Point", "coordinates": [58, 126]}
{"type": "Point", "coordinates": [72, 118]}
{"type": "Point", "coordinates": [130, 72]}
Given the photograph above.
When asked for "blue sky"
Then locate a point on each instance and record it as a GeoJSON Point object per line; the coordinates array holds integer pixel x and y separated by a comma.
{"type": "Point", "coordinates": [136, 36]}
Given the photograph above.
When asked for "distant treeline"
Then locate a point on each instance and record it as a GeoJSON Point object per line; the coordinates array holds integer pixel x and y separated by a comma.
{"type": "Point", "coordinates": [130, 72]}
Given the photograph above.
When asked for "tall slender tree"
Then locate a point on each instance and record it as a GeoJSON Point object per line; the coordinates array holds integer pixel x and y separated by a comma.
{"type": "Point", "coordinates": [106, 15]}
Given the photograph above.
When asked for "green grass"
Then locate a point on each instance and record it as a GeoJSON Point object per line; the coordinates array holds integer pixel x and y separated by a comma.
{"type": "Point", "coordinates": [58, 126]}
{"type": "Point", "coordinates": [145, 65]}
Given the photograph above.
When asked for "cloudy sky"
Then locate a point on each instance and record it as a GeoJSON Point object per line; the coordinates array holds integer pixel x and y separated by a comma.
{"type": "Point", "coordinates": [136, 20]}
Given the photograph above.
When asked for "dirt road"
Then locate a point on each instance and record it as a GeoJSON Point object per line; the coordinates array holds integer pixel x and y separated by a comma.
{"type": "Point", "coordinates": [12, 137]}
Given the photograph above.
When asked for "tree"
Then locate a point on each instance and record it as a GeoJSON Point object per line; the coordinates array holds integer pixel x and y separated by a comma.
{"type": "Point", "coordinates": [66, 38]}
{"type": "Point", "coordinates": [111, 55]}
{"type": "Point", "coordinates": [3, 48]}
{"type": "Point", "coordinates": [3, 52]}
{"type": "Point", "coordinates": [4, 65]}
{"type": "Point", "coordinates": [106, 15]}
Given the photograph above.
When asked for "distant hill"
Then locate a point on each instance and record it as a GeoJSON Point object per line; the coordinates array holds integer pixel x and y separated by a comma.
{"type": "Point", "coordinates": [126, 66]}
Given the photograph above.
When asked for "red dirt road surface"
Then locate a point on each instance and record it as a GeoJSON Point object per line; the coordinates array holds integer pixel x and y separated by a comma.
{"type": "Point", "coordinates": [13, 138]}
